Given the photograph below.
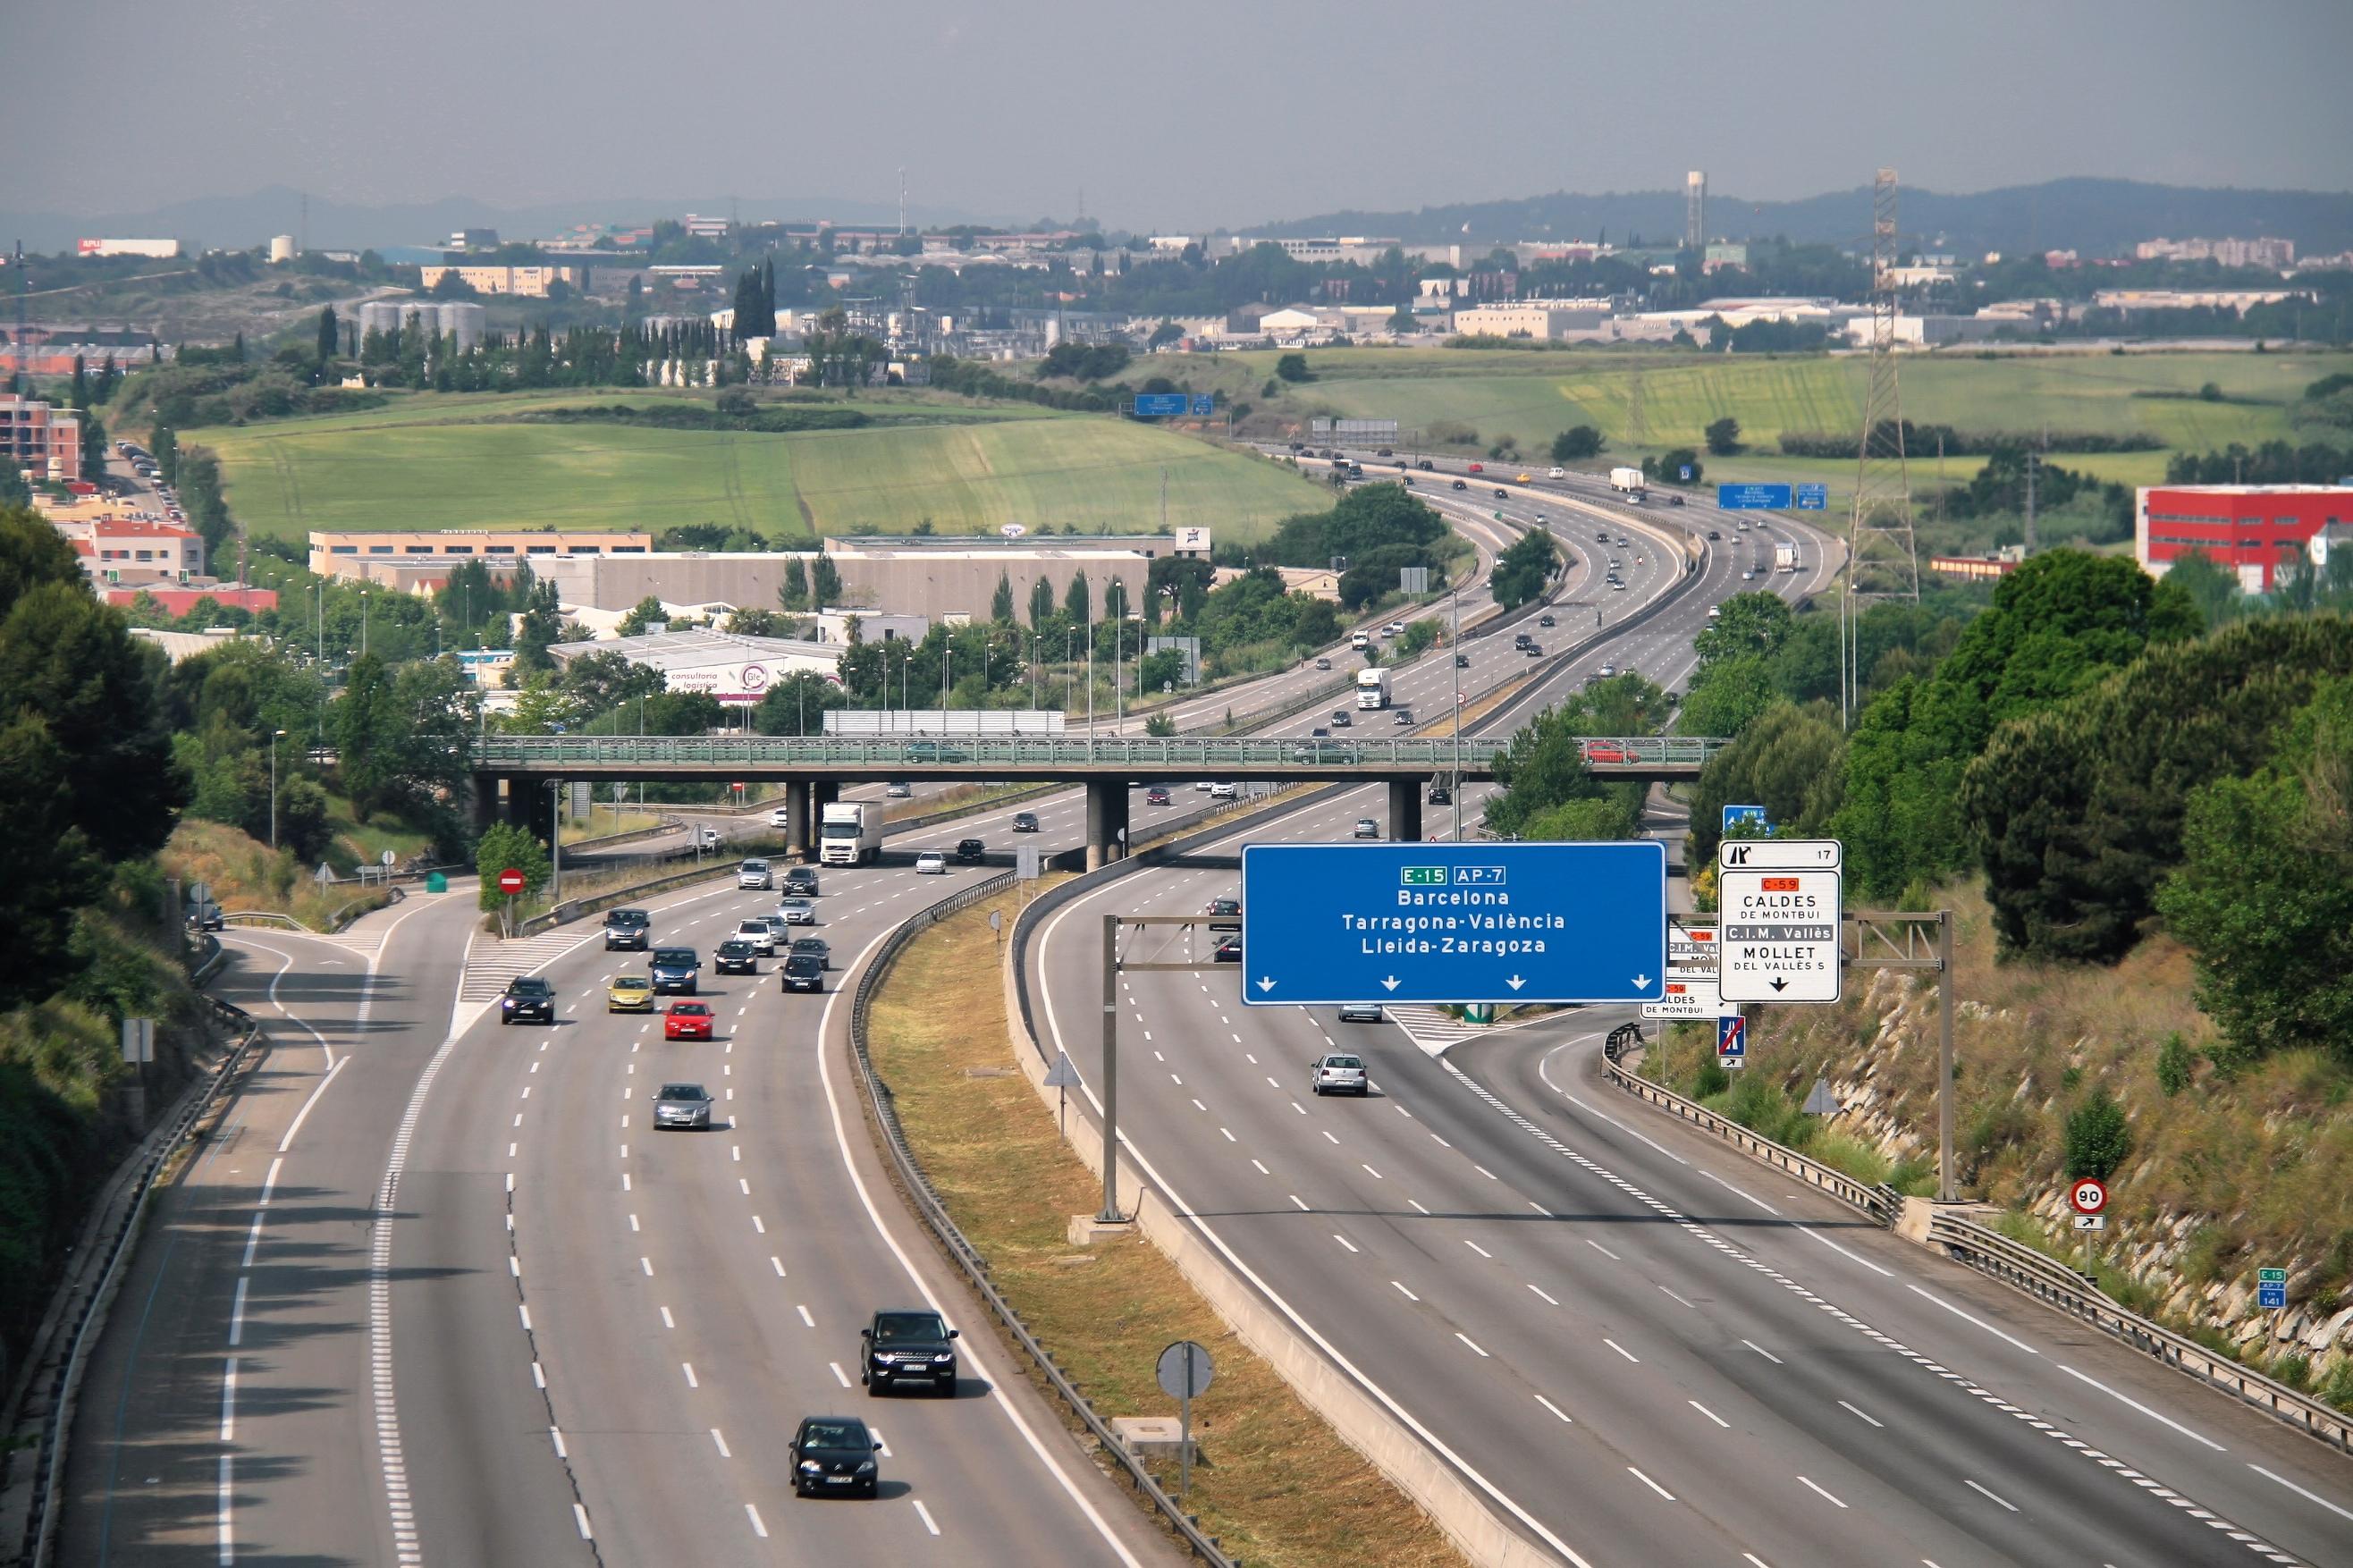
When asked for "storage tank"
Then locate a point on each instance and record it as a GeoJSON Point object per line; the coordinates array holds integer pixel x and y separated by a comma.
{"type": "Point", "coordinates": [281, 247]}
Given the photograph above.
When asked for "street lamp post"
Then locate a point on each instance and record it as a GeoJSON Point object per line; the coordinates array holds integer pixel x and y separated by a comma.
{"type": "Point", "coordinates": [363, 622]}
{"type": "Point", "coordinates": [275, 736]}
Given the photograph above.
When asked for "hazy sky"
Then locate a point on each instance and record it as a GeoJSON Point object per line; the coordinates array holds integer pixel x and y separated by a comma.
{"type": "Point", "coordinates": [1173, 114]}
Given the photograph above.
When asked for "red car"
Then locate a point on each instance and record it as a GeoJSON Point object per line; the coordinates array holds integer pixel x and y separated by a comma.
{"type": "Point", "coordinates": [1478, 468]}
{"type": "Point", "coordinates": [1156, 795]}
{"type": "Point", "coordinates": [1601, 751]}
{"type": "Point", "coordinates": [686, 1021]}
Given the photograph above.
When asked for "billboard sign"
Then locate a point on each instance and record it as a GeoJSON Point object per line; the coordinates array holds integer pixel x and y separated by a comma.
{"type": "Point", "coordinates": [1813, 498]}
{"type": "Point", "coordinates": [1192, 541]}
{"type": "Point", "coordinates": [1752, 497]}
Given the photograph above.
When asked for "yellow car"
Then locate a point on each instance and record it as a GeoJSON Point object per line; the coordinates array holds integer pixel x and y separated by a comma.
{"type": "Point", "coordinates": [629, 993]}
{"type": "Point", "coordinates": [1520, 480]}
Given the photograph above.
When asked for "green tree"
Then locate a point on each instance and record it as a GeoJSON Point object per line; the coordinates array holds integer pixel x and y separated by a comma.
{"type": "Point", "coordinates": [646, 612]}
{"type": "Point", "coordinates": [1722, 437]}
{"type": "Point", "coordinates": [1727, 695]}
{"type": "Point", "coordinates": [331, 334]}
{"type": "Point", "coordinates": [1576, 443]}
{"type": "Point", "coordinates": [1293, 368]}
{"type": "Point", "coordinates": [1000, 604]}
{"type": "Point", "coordinates": [1787, 761]}
{"type": "Point", "coordinates": [2098, 1138]}
{"type": "Point", "coordinates": [94, 444]}
{"type": "Point", "coordinates": [1745, 625]}
{"type": "Point", "coordinates": [825, 583]}
{"type": "Point", "coordinates": [795, 593]}
{"type": "Point", "coordinates": [363, 723]}
{"type": "Point", "coordinates": [1524, 568]}
{"type": "Point", "coordinates": [2264, 896]}
{"type": "Point", "coordinates": [1543, 766]}
{"type": "Point", "coordinates": [797, 705]}
{"type": "Point", "coordinates": [165, 448]}
{"type": "Point", "coordinates": [1076, 601]}
{"type": "Point", "coordinates": [505, 845]}
{"type": "Point", "coordinates": [2211, 587]}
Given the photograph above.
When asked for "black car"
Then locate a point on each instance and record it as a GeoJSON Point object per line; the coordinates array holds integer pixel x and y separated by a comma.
{"type": "Point", "coordinates": [736, 957]}
{"type": "Point", "coordinates": [631, 928]}
{"type": "Point", "coordinates": [675, 969]}
{"type": "Point", "coordinates": [815, 947]}
{"type": "Point", "coordinates": [1025, 822]}
{"type": "Point", "coordinates": [1225, 914]}
{"type": "Point", "coordinates": [1674, 501]}
{"type": "Point", "coordinates": [1426, 466]}
{"type": "Point", "coordinates": [1229, 951]}
{"type": "Point", "coordinates": [907, 1347]}
{"type": "Point", "coordinates": [528, 997]}
{"type": "Point", "coordinates": [800, 881]}
{"type": "Point", "coordinates": [1502, 494]}
{"type": "Point", "coordinates": [1716, 534]}
{"type": "Point", "coordinates": [834, 1454]}
{"type": "Point", "coordinates": [1440, 795]}
{"type": "Point", "coordinates": [802, 971]}
{"type": "Point", "coordinates": [969, 851]}
{"type": "Point", "coordinates": [1462, 484]}
{"type": "Point", "coordinates": [1462, 661]}
{"type": "Point", "coordinates": [1521, 639]}
{"type": "Point", "coordinates": [1545, 620]}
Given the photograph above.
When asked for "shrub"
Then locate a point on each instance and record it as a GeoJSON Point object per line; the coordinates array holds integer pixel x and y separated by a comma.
{"type": "Point", "coordinates": [2174, 1064]}
{"type": "Point", "coordinates": [2098, 1138]}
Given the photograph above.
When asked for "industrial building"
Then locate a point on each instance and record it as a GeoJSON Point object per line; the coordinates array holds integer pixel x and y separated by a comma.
{"type": "Point", "coordinates": [461, 319]}
{"type": "Point", "coordinates": [734, 669]}
{"type": "Point", "coordinates": [522, 282]}
{"type": "Point", "coordinates": [156, 249]}
{"type": "Point", "coordinates": [1542, 318]}
{"type": "Point", "coordinates": [2252, 531]}
{"type": "Point", "coordinates": [378, 557]}
{"type": "Point", "coordinates": [44, 441]}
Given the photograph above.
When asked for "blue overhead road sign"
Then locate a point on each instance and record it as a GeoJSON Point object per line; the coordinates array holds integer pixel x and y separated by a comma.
{"type": "Point", "coordinates": [1755, 813]}
{"type": "Point", "coordinates": [1161, 405]}
{"type": "Point", "coordinates": [1752, 497]}
{"type": "Point", "coordinates": [1205, 405]}
{"type": "Point", "coordinates": [1328, 923]}
{"type": "Point", "coordinates": [1813, 498]}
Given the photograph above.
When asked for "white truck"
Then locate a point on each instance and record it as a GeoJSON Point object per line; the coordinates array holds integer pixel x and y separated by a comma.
{"type": "Point", "coordinates": [1372, 689]}
{"type": "Point", "coordinates": [850, 833]}
{"type": "Point", "coordinates": [1785, 557]}
{"type": "Point", "coordinates": [1626, 482]}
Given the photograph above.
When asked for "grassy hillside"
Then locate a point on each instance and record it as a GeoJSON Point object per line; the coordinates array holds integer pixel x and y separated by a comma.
{"type": "Point", "coordinates": [1532, 396]}
{"type": "Point", "coordinates": [462, 462]}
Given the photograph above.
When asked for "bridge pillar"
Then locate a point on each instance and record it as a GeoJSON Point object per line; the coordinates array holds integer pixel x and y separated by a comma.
{"type": "Point", "coordinates": [797, 819]}
{"type": "Point", "coordinates": [1106, 818]}
{"type": "Point", "coordinates": [1405, 811]}
{"type": "Point", "coordinates": [822, 793]}
{"type": "Point", "coordinates": [514, 808]}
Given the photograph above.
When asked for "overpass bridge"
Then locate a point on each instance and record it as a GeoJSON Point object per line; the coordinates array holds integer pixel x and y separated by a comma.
{"type": "Point", "coordinates": [510, 770]}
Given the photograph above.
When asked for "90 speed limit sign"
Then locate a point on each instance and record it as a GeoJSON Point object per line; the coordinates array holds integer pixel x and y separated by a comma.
{"type": "Point", "coordinates": [2088, 1196]}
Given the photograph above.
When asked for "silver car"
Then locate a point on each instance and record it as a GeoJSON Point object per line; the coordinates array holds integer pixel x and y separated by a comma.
{"type": "Point", "coordinates": [797, 913]}
{"type": "Point", "coordinates": [754, 874]}
{"type": "Point", "coordinates": [1338, 1072]}
{"type": "Point", "coordinates": [756, 932]}
{"type": "Point", "coordinates": [682, 1105]}
{"type": "Point", "coordinates": [1360, 1012]}
{"type": "Point", "coordinates": [931, 863]}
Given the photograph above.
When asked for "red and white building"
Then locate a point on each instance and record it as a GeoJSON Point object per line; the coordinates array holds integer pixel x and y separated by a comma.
{"type": "Point", "coordinates": [2248, 529]}
{"type": "Point", "coordinates": [129, 552]}
{"type": "Point", "coordinates": [44, 441]}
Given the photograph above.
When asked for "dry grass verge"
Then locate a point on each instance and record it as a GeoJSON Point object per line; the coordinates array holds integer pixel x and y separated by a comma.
{"type": "Point", "coordinates": [1276, 1484]}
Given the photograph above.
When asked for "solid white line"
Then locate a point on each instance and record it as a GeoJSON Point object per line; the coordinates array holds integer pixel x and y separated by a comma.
{"type": "Point", "coordinates": [1650, 1483]}
{"type": "Point", "coordinates": [2310, 1497]}
{"type": "Point", "coordinates": [2145, 1410]}
{"type": "Point", "coordinates": [2004, 1501]}
{"type": "Point", "coordinates": [296, 1125]}
{"type": "Point", "coordinates": [1981, 1322]}
{"type": "Point", "coordinates": [1858, 1411]}
{"type": "Point", "coordinates": [1818, 1489]}
{"type": "Point", "coordinates": [225, 1536]}
{"type": "Point", "coordinates": [758, 1529]}
{"type": "Point", "coordinates": [1712, 1416]}
{"type": "Point", "coordinates": [1866, 1262]}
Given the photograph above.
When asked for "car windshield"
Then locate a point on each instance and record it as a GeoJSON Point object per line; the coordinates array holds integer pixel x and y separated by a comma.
{"type": "Point", "coordinates": [733, 949]}
{"type": "Point", "coordinates": [1346, 1063]}
{"type": "Point", "coordinates": [908, 1328]}
{"type": "Point", "coordinates": [632, 982]}
{"type": "Point", "coordinates": [835, 1435]}
{"type": "Point", "coordinates": [802, 963]}
{"type": "Point", "coordinates": [626, 918]}
{"type": "Point", "coordinates": [754, 926]}
{"type": "Point", "coordinates": [526, 986]}
{"type": "Point", "coordinates": [674, 955]}
{"type": "Point", "coordinates": [684, 1091]}
{"type": "Point", "coordinates": [795, 904]}
{"type": "Point", "coordinates": [690, 1010]}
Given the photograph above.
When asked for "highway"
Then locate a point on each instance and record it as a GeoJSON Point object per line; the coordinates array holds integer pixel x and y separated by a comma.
{"type": "Point", "coordinates": [422, 1300]}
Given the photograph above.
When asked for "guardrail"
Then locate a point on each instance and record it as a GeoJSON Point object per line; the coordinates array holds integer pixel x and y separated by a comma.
{"type": "Point", "coordinates": [1881, 1203]}
{"type": "Point", "coordinates": [960, 1250]}
{"type": "Point", "coordinates": [49, 1458]}
{"type": "Point", "coordinates": [2055, 1285]}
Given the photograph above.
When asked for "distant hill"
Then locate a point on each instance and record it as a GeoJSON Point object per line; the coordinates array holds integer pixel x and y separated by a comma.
{"type": "Point", "coordinates": [2097, 217]}
{"type": "Point", "coordinates": [236, 222]}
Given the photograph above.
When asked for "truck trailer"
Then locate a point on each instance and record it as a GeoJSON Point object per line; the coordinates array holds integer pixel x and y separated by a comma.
{"type": "Point", "coordinates": [1628, 481]}
{"type": "Point", "coordinates": [1785, 557]}
{"type": "Point", "coordinates": [849, 833]}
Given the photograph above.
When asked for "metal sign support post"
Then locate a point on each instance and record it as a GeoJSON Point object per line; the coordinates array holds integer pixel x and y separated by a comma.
{"type": "Point", "coordinates": [1901, 940]}
{"type": "Point", "coordinates": [1112, 970]}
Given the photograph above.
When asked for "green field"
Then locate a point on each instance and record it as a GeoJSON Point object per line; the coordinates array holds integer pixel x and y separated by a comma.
{"type": "Point", "coordinates": [1530, 396]}
{"type": "Point", "coordinates": [438, 462]}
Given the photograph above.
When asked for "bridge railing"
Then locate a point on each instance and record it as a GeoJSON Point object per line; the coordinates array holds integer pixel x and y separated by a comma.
{"type": "Point", "coordinates": [535, 753]}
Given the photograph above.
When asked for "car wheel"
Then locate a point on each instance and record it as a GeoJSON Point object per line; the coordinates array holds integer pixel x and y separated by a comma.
{"type": "Point", "coordinates": [505, 1020]}
{"type": "Point", "coordinates": [874, 1488]}
{"type": "Point", "coordinates": [948, 1387]}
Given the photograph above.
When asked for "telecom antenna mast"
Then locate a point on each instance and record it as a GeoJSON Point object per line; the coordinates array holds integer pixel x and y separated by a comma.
{"type": "Point", "coordinates": [1883, 561]}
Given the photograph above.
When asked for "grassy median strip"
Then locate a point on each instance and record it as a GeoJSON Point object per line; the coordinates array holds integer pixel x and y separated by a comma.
{"type": "Point", "coordinates": [1274, 1484]}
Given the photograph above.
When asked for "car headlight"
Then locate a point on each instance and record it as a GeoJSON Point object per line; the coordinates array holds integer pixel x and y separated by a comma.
{"type": "Point", "coordinates": [947, 1360]}
{"type": "Point", "coordinates": [865, 1466]}
{"type": "Point", "coordinates": [811, 1468]}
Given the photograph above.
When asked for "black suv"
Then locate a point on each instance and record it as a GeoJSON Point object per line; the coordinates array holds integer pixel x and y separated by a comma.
{"type": "Point", "coordinates": [528, 997]}
{"type": "Point", "coordinates": [970, 850]}
{"type": "Point", "coordinates": [675, 969]}
{"type": "Point", "coordinates": [906, 1347]}
{"type": "Point", "coordinates": [632, 929]}
{"type": "Point", "coordinates": [735, 957]}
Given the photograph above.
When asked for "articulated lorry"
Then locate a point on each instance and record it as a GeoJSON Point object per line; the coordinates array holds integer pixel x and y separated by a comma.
{"type": "Point", "coordinates": [1372, 688]}
{"type": "Point", "coordinates": [850, 833]}
{"type": "Point", "coordinates": [1628, 481]}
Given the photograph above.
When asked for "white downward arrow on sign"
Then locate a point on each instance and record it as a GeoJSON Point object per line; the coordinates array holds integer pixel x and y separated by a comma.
{"type": "Point", "coordinates": [1265, 985]}
{"type": "Point", "coordinates": [1515, 983]}
{"type": "Point", "coordinates": [1642, 982]}
{"type": "Point", "coordinates": [1391, 982]}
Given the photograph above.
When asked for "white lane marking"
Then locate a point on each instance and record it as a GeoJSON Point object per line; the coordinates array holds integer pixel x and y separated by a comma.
{"type": "Point", "coordinates": [1712, 1416]}
{"type": "Point", "coordinates": [1973, 1486]}
{"type": "Point", "coordinates": [2311, 1497]}
{"type": "Point", "coordinates": [1670, 1293]}
{"type": "Point", "coordinates": [721, 1443]}
{"type": "Point", "coordinates": [1622, 1350]}
{"type": "Point", "coordinates": [1547, 1299]}
{"type": "Point", "coordinates": [1720, 1182]}
{"type": "Point", "coordinates": [580, 1518]}
{"type": "Point", "coordinates": [1867, 1263]}
{"type": "Point", "coordinates": [1476, 1248]}
{"type": "Point", "coordinates": [556, 1436]}
{"type": "Point", "coordinates": [1467, 1340]}
{"type": "Point", "coordinates": [1650, 1483]}
{"type": "Point", "coordinates": [1262, 1169]}
{"type": "Point", "coordinates": [925, 1515]}
{"type": "Point", "coordinates": [1344, 1241]}
{"type": "Point", "coordinates": [1603, 1250]}
{"type": "Point", "coordinates": [758, 1528]}
{"type": "Point", "coordinates": [1966, 1318]}
{"type": "Point", "coordinates": [296, 1125]}
{"type": "Point", "coordinates": [778, 1264]}
{"type": "Point", "coordinates": [648, 1265]}
{"type": "Point", "coordinates": [1328, 1138]}
{"type": "Point", "coordinates": [1370, 1172]}
{"type": "Point", "coordinates": [840, 1376]}
{"type": "Point", "coordinates": [688, 1367]}
{"type": "Point", "coordinates": [1555, 1409]}
{"type": "Point", "coordinates": [1874, 1421]}
{"type": "Point", "coordinates": [2145, 1410]}
{"type": "Point", "coordinates": [1230, 1136]}
{"type": "Point", "coordinates": [806, 1322]}
{"type": "Point", "coordinates": [1760, 1350]}
{"type": "Point", "coordinates": [668, 1322]}
{"type": "Point", "coordinates": [1416, 1204]}
{"type": "Point", "coordinates": [228, 1415]}
{"type": "Point", "coordinates": [236, 1320]}
{"type": "Point", "coordinates": [1406, 1293]}
{"type": "Point", "coordinates": [1818, 1488]}
{"type": "Point", "coordinates": [538, 1375]}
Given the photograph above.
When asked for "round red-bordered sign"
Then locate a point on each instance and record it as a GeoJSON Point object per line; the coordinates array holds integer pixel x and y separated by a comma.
{"type": "Point", "coordinates": [510, 880]}
{"type": "Point", "coordinates": [2088, 1196]}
